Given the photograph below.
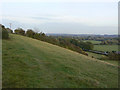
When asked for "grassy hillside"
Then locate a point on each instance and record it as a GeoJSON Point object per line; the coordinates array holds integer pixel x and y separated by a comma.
{"type": "Point", "coordinates": [31, 63]}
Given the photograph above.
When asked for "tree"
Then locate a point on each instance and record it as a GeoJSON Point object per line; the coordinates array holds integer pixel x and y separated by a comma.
{"type": "Point", "coordinates": [36, 35]}
{"type": "Point", "coordinates": [9, 30]}
{"type": "Point", "coordinates": [83, 45]}
{"type": "Point", "coordinates": [89, 45]}
{"type": "Point", "coordinates": [30, 33]}
{"type": "Point", "coordinates": [19, 31]}
{"type": "Point", "coordinates": [113, 56]}
{"type": "Point", "coordinates": [5, 34]}
{"type": "Point", "coordinates": [41, 33]}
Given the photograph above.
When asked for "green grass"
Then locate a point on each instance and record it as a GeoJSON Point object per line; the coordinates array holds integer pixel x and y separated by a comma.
{"type": "Point", "coordinates": [93, 41]}
{"type": "Point", "coordinates": [29, 63]}
{"type": "Point", "coordinates": [106, 47]}
{"type": "Point", "coordinates": [103, 47]}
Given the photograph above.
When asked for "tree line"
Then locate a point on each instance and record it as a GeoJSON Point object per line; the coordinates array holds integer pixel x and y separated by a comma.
{"type": "Point", "coordinates": [110, 42]}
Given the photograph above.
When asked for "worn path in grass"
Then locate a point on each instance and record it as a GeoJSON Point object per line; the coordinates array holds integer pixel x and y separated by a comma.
{"type": "Point", "coordinates": [32, 63]}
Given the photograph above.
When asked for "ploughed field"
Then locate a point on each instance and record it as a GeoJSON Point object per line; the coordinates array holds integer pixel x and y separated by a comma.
{"type": "Point", "coordinates": [30, 63]}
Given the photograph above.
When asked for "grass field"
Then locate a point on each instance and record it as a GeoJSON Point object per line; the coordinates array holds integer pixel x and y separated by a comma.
{"type": "Point", "coordinates": [103, 47]}
{"type": "Point", "coordinates": [106, 47]}
{"type": "Point", "coordinates": [29, 63]}
{"type": "Point", "coordinates": [93, 41]}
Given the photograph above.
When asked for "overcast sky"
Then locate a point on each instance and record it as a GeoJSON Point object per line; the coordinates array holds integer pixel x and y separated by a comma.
{"type": "Point", "coordinates": [62, 16]}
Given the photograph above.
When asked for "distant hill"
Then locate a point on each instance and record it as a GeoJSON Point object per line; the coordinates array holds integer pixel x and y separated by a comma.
{"type": "Point", "coordinates": [82, 35]}
{"type": "Point", "coordinates": [30, 63]}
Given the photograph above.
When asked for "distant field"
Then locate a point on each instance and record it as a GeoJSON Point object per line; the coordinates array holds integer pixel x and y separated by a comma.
{"type": "Point", "coordinates": [103, 47]}
{"type": "Point", "coordinates": [93, 41]}
{"type": "Point", "coordinates": [30, 63]}
{"type": "Point", "coordinates": [106, 47]}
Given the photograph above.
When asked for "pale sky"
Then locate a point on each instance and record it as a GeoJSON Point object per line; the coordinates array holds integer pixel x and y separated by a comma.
{"type": "Point", "coordinates": [62, 16]}
{"type": "Point", "coordinates": [59, 1]}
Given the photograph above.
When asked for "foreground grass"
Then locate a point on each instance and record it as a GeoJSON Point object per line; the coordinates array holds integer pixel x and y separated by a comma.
{"type": "Point", "coordinates": [35, 64]}
{"type": "Point", "coordinates": [106, 47]}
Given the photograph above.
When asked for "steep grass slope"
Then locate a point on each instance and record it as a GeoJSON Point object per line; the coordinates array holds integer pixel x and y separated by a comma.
{"type": "Point", "coordinates": [35, 64]}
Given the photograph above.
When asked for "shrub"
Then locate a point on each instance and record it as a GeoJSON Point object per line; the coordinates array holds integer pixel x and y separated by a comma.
{"type": "Point", "coordinates": [83, 45]}
{"type": "Point", "coordinates": [114, 56]}
{"type": "Point", "coordinates": [9, 30]}
{"type": "Point", "coordinates": [30, 33]}
{"type": "Point", "coordinates": [19, 31]}
{"type": "Point", "coordinates": [36, 36]}
{"type": "Point", "coordinates": [4, 32]}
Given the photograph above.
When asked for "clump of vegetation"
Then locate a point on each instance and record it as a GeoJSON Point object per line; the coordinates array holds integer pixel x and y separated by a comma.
{"type": "Point", "coordinates": [113, 56]}
{"type": "Point", "coordinates": [9, 30]}
{"type": "Point", "coordinates": [5, 31]}
{"type": "Point", "coordinates": [5, 34]}
{"type": "Point", "coordinates": [30, 33]}
{"type": "Point", "coordinates": [19, 31]}
{"type": "Point", "coordinates": [83, 45]}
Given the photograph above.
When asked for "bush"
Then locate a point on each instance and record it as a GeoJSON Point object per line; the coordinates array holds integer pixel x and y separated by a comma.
{"type": "Point", "coordinates": [113, 56]}
{"type": "Point", "coordinates": [30, 33]}
{"type": "Point", "coordinates": [9, 30]}
{"type": "Point", "coordinates": [36, 36]}
{"type": "Point", "coordinates": [83, 45]}
{"type": "Point", "coordinates": [19, 31]}
{"type": "Point", "coordinates": [5, 34]}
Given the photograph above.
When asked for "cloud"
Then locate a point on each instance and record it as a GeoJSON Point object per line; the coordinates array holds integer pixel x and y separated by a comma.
{"type": "Point", "coordinates": [61, 27]}
{"type": "Point", "coordinates": [77, 28]}
{"type": "Point", "coordinates": [59, 1]}
{"type": "Point", "coordinates": [27, 20]}
{"type": "Point", "coordinates": [101, 21]}
{"type": "Point", "coordinates": [66, 27]}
